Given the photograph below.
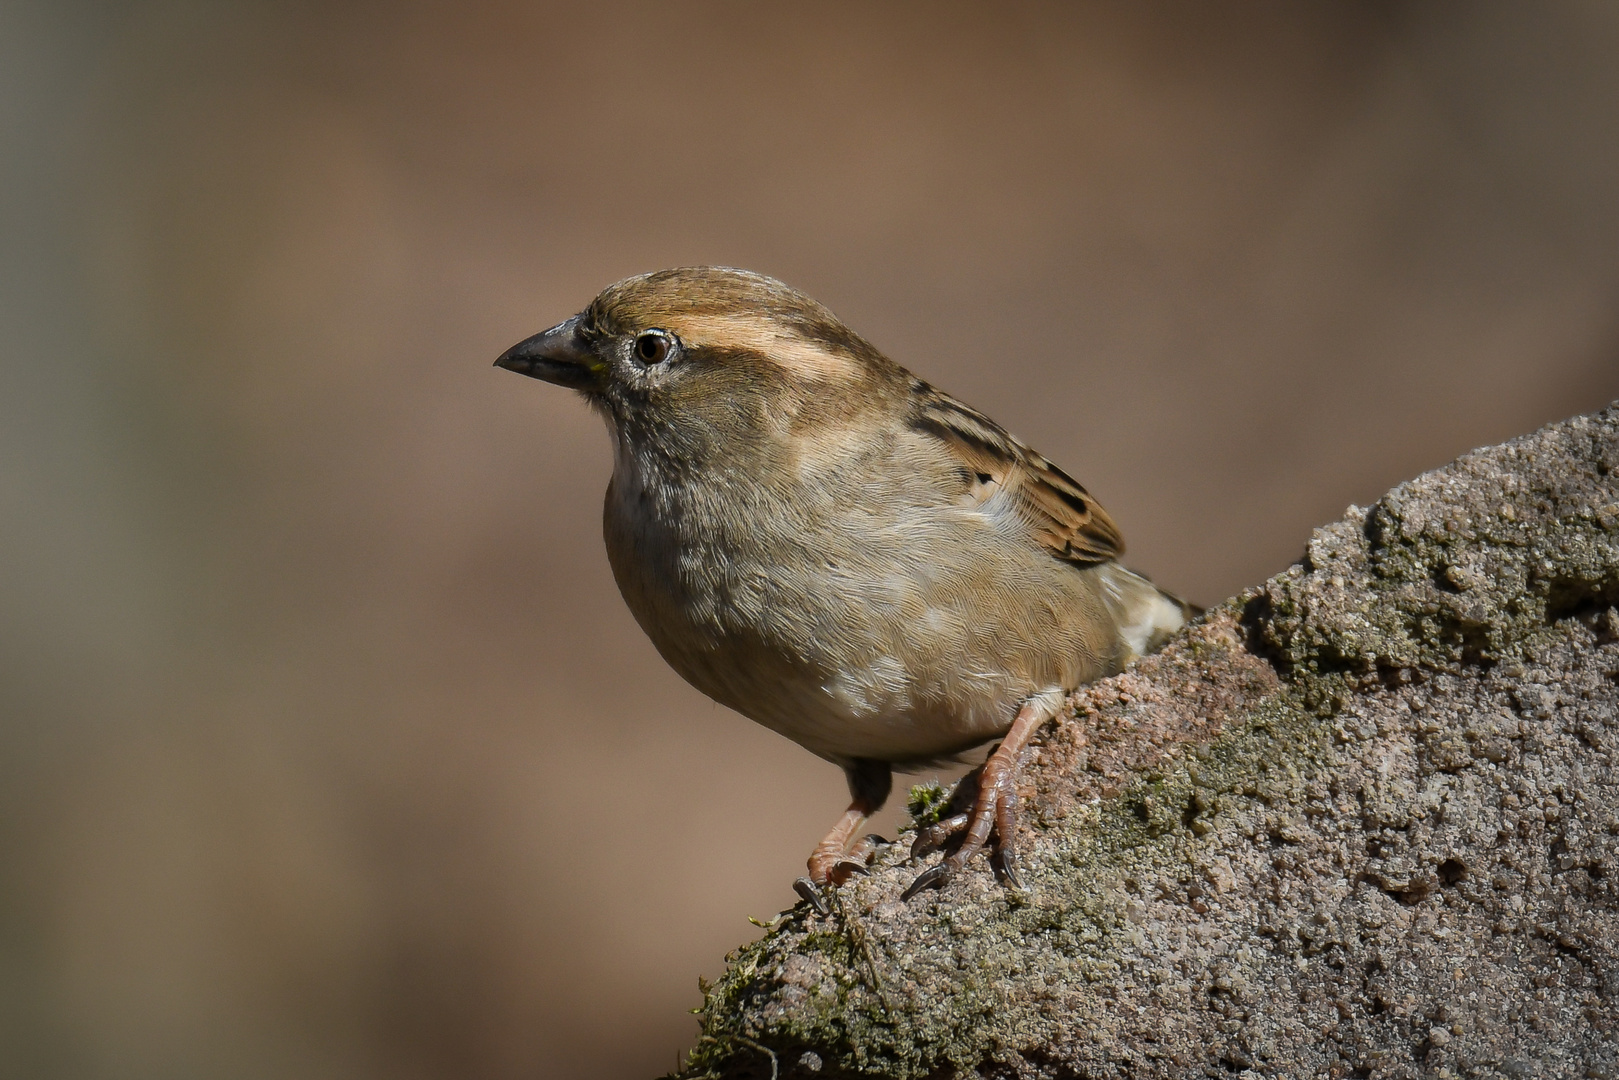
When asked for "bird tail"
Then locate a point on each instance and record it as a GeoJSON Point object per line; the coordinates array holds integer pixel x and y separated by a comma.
{"type": "Point", "coordinates": [1146, 615]}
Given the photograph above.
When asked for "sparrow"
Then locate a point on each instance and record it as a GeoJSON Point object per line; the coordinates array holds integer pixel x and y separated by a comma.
{"type": "Point", "coordinates": [820, 540]}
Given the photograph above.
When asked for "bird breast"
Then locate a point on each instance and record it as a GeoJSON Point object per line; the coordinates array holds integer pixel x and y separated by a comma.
{"type": "Point", "coordinates": [865, 610]}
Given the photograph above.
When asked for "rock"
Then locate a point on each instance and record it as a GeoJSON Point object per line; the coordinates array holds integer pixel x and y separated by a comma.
{"type": "Point", "coordinates": [1360, 821]}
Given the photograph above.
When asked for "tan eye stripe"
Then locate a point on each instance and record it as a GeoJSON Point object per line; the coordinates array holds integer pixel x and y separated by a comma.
{"type": "Point", "coordinates": [767, 338]}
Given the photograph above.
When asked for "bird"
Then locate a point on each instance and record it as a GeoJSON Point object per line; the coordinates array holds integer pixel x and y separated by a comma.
{"type": "Point", "coordinates": [820, 540]}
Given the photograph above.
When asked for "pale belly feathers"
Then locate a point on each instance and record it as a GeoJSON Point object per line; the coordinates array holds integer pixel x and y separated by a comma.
{"type": "Point", "coordinates": [885, 628]}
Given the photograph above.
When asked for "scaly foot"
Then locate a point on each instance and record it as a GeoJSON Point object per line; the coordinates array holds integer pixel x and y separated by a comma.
{"type": "Point", "coordinates": [834, 860]}
{"type": "Point", "coordinates": [994, 807]}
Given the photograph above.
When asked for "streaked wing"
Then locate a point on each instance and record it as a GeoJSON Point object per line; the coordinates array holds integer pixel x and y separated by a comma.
{"type": "Point", "coordinates": [1061, 515]}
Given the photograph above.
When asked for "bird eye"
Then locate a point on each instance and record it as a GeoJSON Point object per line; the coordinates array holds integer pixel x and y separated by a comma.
{"type": "Point", "coordinates": [653, 346]}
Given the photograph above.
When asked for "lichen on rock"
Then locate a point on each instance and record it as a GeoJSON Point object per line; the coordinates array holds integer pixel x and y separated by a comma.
{"type": "Point", "coordinates": [1362, 820]}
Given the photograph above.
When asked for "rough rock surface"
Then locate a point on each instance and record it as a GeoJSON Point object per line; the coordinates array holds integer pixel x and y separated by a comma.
{"type": "Point", "coordinates": [1360, 821]}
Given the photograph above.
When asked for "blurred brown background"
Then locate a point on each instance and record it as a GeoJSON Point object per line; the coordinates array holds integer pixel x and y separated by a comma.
{"type": "Point", "coordinates": [328, 747]}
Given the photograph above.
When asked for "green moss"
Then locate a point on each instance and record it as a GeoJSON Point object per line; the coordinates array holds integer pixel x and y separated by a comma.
{"type": "Point", "coordinates": [1144, 833]}
{"type": "Point", "coordinates": [926, 803]}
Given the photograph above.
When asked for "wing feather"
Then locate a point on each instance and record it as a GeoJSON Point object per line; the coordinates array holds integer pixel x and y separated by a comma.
{"type": "Point", "coordinates": [1060, 513]}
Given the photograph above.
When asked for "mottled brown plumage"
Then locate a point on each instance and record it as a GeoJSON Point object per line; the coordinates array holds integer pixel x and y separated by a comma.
{"type": "Point", "coordinates": [820, 540]}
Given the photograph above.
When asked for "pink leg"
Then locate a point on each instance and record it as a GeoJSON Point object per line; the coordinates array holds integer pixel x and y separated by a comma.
{"type": "Point", "coordinates": [996, 804]}
{"type": "Point", "coordinates": [833, 861]}
{"type": "Point", "coordinates": [830, 851]}
{"type": "Point", "coordinates": [932, 837]}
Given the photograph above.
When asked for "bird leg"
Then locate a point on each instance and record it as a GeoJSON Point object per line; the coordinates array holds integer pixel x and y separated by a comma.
{"type": "Point", "coordinates": [932, 837]}
{"type": "Point", "coordinates": [994, 807]}
{"type": "Point", "coordinates": [831, 853]}
{"type": "Point", "coordinates": [1006, 829]}
{"type": "Point", "coordinates": [858, 858]}
{"type": "Point", "coordinates": [834, 861]}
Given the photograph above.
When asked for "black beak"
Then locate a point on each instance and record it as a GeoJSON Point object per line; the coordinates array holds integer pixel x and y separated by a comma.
{"type": "Point", "coordinates": [557, 356]}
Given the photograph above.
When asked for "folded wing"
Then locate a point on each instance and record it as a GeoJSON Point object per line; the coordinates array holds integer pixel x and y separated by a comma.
{"type": "Point", "coordinates": [1060, 513]}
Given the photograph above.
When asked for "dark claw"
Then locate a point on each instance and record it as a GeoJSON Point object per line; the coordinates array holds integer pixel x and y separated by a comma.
{"type": "Point", "coordinates": [928, 879]}
{"type": "Point", "coordinates": [1006, 860]}
{"type": "Point", "coordinates": [806, 888]}
{"type": "Point", "coordinates": [846, 867]}
{"type": "Point", "coordinates": [1006, 836]}
{"type": "Point", "coordinates": [857, 859]}
{"type": "Point", "coordinates": [933, 836]}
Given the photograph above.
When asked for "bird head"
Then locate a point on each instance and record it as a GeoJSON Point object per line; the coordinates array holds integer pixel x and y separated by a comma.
{"type": "Point", "coordinates": [705, 352]}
